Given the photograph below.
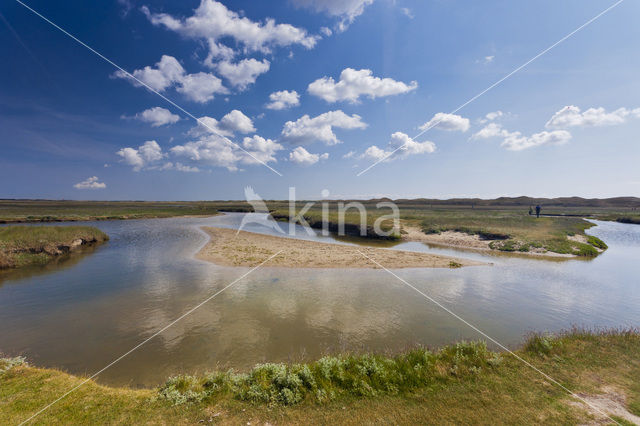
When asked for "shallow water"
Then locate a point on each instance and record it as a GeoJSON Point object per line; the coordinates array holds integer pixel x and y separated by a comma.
{"type": "Point", "coordinates": [87, 312]}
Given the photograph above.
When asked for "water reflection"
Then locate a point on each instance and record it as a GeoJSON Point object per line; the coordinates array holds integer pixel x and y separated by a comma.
{"type": "Point", "coordinates": [88, 313]}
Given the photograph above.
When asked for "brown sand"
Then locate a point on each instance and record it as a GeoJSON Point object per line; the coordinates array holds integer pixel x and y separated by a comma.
{"type": "Point", "coordinates": [229, 248]}
{"type": "Point", "coordinates": [447, 238]}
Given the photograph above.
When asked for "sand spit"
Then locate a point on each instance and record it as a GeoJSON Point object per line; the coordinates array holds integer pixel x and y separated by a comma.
{"type": "Point", "coordinates": [231, 248]}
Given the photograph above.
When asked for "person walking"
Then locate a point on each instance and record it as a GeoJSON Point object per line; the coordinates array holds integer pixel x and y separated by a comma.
{"type": "Point", "coordinates": [538, 208]}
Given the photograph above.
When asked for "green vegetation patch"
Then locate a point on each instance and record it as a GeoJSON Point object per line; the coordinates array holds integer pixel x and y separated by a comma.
{"type": "Point", "coordinates": [32, 245]}
{"type": "Point", "coordinates": [597, 242]}
{"type": "Point", "coordinates": [12, 211]}
{"type": "Point", "coordinates": [334, 377]}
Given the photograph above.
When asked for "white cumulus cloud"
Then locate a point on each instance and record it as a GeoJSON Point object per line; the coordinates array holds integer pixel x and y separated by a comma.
{"type": "Point", "coordinates": [243, 73]}
{"type": "Point", "coordinates": [157, 116]}
{"type": "Point", "coordinates": [165, 74]}
{"type": "Point", "coordinates": [375, 153]}
{"type": "Point", "coordinates": [572, 116]}
{"type": "Point", "coordinates": [236, 121]}
{"type": "Point", "coordinates": [450, 122]}
{"type": "Point", "coordinates": [213, 21]}
{"type": "Point", "coordinates": [346, 10]}
{"type": "Point", "coordinates": [90, 183]}
{"type": "Point", "coordinates": [212, 150]}
{"type": "Point", "coordinates": [410, 147]}
{"type": "Point", "coordinates": [233, 122]}
{"type": "Point", "coordinates": [400, 146]}
{"type": "Point", "coordinates": [491, 116]}
{"type": "Point", "coordinates": [200, 87]}
{"type": "Point", "coordinates": [516, 141]}
{"type": "Point", "coordinates": [145, 156]}
{"type": "Point", "coordinates": [494, 115]}
{"type": "Point", "coordinates": [491, 130]}
{"type": "Point", "coordinates": [283, 99]}
{"type": "Point", "coordinates": [218, 51]}
{"type": "Point", "coordinates": [326, 31]}
{"type": "Point", "coordinates": [407, 12]}
{"type": "Point", "coordinates": [208, 150]}
{"type": "Point", "coordinates": [262, 149]}
{"type": "Point", "coordinates": [301, 156]}
{"type": "Point", "coordinates": [306, 130]}
{"type": "Point", "coordinates": [356, 83]}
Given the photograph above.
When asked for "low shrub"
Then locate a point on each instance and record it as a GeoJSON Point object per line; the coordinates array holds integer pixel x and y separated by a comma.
{"type": "Point", "coordinates": [540, 344]}
{"type": "Point", "coordinates": [7, 364]}
{"type": "Point", "coordinates": [585, 250]}
{"type": "Point", "coordinates": [333, 376]}
{"type": "Point", "coordinates": [597, 242]}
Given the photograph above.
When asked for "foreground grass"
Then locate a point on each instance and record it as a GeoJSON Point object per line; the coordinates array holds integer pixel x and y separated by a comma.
{"type": "Point", "coordinates": [463, 383]}
{"type": "Point", "coordinates": [37, 245]}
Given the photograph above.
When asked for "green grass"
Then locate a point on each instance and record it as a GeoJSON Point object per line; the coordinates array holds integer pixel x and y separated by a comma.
{"type": "Point", "coordinates": [597, 242]}
{"type": "Point", "coordinates": [462, 383]}
{"type": "Point", "coordinates": [12, 211]}
{"type": "Point", "coordinates": [22, 246]}
{"type": "Point", "coordinates": [334, 377]}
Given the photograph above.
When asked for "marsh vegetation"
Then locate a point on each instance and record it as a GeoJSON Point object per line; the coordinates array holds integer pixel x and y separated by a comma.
{"type": "Point", "coordinates": [22, 246]}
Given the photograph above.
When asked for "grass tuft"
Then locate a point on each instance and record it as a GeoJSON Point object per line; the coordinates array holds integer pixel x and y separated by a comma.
{"type": "Point", "coordinates": [540, 344]}
{"type": "Point", "coordinates": [7, 364]}
{"type": "Point", "coordinates": [597, 242]}
{"type": "Point", "coordinates": [332, 377]}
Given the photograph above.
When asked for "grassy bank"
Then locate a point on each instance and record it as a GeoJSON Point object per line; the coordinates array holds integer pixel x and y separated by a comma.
{"type": "Point", "coordinates": [463, 383]}
{"type": "Point", "coordinates": [22, 246]}
{"type": "Point", "coordinates": [516, 231]}
{"type": "Point", "coordinates": [509, 229]}
{"type": "Point", "coordinates": [16, 211]}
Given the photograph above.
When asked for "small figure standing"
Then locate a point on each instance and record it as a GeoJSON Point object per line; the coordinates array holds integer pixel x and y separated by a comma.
{"type": "Point", "coordinates": [530, 211]}
{"type": "Point", "coordinates": [538, 208]}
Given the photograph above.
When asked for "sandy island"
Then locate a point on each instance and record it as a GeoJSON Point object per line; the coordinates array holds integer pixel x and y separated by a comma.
{"type": "Point", "coordinates": [227, 247]}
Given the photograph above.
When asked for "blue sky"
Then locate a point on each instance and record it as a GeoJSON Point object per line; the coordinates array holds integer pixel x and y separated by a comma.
{"type": "Point", "coordinates": [367, 74]}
